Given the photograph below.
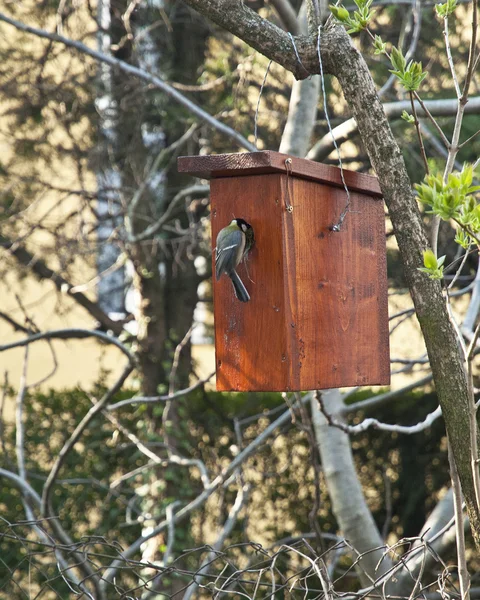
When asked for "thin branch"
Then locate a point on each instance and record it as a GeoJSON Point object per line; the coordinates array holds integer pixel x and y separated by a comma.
{"type": "Point", "coordinates": [419, 134]}
{"type": "Point", "coordinates": [432, 119]}
{"type": "Point", "coordinates": [470, 139]}
{"type": "Point", "coordinates": [159, 160]}
{"type": "Point", "coordinates": [43, 271]}
{"type": "Point", "coordinates": [367, 423]}
{"type": "Point", "coordinates": [156, 399]}
{"type": "Point", "coordinates": [285, 11]}
{"type": "Point", "coordinates": [110, 573]}
{"type": "Point", "coordinates": [240, 501]}
{"type": "Point", "coordinates": [79, 429]}
{"type": "Point", "coordinates": [471, 54]}
{"type": "Point", "coordinates": [155, 227]}
{"type": "Point", "coordinates": [459, 269]}
{"type": "Point", "coordinates": [417, 23]}
{"type": "Point", "coordinates": [67, 334]}
{"type": "Point", "coordinates": [344, 131]}
{"type": "Point", "coordinates": [137, 72]}
{"type": "Point", "coordinates": [386, 397]}
{"type": "Point", "coordinates": [31, 496]}
{"type": "Point", "coordinates": [449, 56]}
{"type": "Point", "coordinates": [15, 324]}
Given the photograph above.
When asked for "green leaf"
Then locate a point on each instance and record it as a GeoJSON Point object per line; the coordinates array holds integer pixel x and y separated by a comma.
{"type": "Point", "coordinates": [380, 45]}
{"type": "Point", "coordinates": [398, 60]}
{"type": "Point", "coordinates": [340, 13]}
{"type": "Point", "coordinates": [408, 117]}
{"type": "Point", "coordinates": [445, 10]}
{"type": "Point", "coordinates": [429, 259]}
{"type": "Point", "coordinates": [466, 176]}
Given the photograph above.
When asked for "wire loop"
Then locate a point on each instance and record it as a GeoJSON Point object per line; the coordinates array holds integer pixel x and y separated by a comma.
{"type": "Point", "coordinates": [288, 167]}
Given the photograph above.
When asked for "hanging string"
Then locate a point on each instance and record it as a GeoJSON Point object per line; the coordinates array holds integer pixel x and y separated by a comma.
{"type": "Point", "coordinates": [338, 225]}
{"type": "Point", "coordinates": [296, 54]}
{"type": "Point", "coordinates": [258, 104]}
{"type": "Point", "coordinates": [288, 167]}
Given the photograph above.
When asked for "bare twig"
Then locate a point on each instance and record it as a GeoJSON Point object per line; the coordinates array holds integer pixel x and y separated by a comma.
{"type": "Point", "coordinates": [157, 399]}
{"type": "Point", "coordinates": [287, 14]}
{"type": "Point", "coordinates": [367, 423]}
{"type": "Point", "coordinates": [393, 110]}
{"type": "Point", "coordinates": [203, 497]}
{"type": "Point", "coordinates": [67, 334]}
{"type": "Point", "coordinates": [40, 268]}
{"type": "Point", "coordinates": [449, 56]}
{"type": "Point", "coordinates": [79, 429]}
{"type": "Point", "coordinates": [419, 134]}
{"type": "Point", "coordinates": [137, 72]}
{"type": "Point", "coordinates": [386, 397]}
{"type": "Point", "coordinates": [240, 501]}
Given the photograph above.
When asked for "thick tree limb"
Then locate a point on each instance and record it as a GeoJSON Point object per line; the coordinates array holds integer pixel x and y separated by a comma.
{"type": "Point", "coordinates": [343, 60]}
{"type": "Point", "coordinates": [348, 502]}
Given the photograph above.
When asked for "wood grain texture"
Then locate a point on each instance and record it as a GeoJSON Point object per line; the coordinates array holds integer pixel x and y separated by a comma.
{"type": "Point", "coordinates": [250, 338]}
{"type": "Point", "coordinates": [317, 317]}
{"type": "Point", "coordinates": [267, 161]}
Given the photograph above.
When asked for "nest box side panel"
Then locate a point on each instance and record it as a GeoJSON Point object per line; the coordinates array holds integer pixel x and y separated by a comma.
{"type": "Point", "coordinates": [337, 292]}
{"type": "Point", "coordinates": [250, 338]}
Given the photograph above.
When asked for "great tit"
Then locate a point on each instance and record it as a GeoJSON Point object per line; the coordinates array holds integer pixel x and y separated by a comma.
{"type": "Point", "coordinates": [233, 243]}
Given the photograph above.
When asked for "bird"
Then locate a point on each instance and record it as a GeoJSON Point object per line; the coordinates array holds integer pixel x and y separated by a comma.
{"type": "Point", "coordinates": [233, 243]}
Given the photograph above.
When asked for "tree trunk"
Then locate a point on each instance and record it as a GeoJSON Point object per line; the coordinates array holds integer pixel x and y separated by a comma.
{"type": "Point", "coordinates": [348, 502]}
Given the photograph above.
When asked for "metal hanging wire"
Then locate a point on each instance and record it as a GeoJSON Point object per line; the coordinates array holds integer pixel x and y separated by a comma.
{"type": "Point", "coordinates": [258, 104]}
{"type": "Point", "coordinates": [338, 225]}
{"type": "Point", "coordinates": [288, 167]}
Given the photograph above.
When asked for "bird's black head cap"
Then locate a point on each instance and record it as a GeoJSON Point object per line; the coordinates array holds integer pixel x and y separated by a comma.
{"type": "Point", "coordinates": [243, 225]}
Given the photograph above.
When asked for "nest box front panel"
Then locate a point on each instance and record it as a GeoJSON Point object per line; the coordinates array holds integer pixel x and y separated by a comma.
{"type": "Point", "coordinates": [337, 288]}
{"type": "Point", "coordinates": [318, 316]}
{"type": "Point", "coordinates": [251, 344]}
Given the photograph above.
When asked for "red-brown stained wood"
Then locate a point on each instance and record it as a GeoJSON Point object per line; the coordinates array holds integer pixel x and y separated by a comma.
{"type": "Point", "coordinates": [267, 161]}
{"type": "Point", "coordinates": [251, 339]}
{"type": "Point", "coordinates": [317, 317]}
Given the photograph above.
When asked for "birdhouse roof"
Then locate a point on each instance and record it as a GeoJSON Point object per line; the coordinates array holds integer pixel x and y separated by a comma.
{"type": "Point", "coordinates": [268, 162]}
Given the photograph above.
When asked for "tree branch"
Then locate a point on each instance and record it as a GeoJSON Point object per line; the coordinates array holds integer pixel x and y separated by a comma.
{"type": "Point", "coordinates": [40, 268]}
{"type": "Point", "coordinates": [140, 73]}
{"type": "Point", "coordinates": [437, 108]}
{"type": "Point", "coordinates": [67, 334]}
{"type": "Point", "coordinates": [96, 408]}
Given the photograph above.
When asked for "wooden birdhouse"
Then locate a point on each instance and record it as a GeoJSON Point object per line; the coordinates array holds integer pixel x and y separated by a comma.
{"type": "Point", "coordinates": [317, 317]}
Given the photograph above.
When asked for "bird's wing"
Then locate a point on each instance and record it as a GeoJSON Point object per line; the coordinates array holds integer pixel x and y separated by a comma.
{"type": "Point", "coordinates": [229, 256]}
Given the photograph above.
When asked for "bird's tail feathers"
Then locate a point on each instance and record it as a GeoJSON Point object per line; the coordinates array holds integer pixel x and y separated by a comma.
{"type": "Point", "coordinates": [239, 288]}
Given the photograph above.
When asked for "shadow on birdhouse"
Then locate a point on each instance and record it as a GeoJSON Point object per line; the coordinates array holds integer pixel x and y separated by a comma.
{"type": "Point", "coordinates": [317, 316]}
